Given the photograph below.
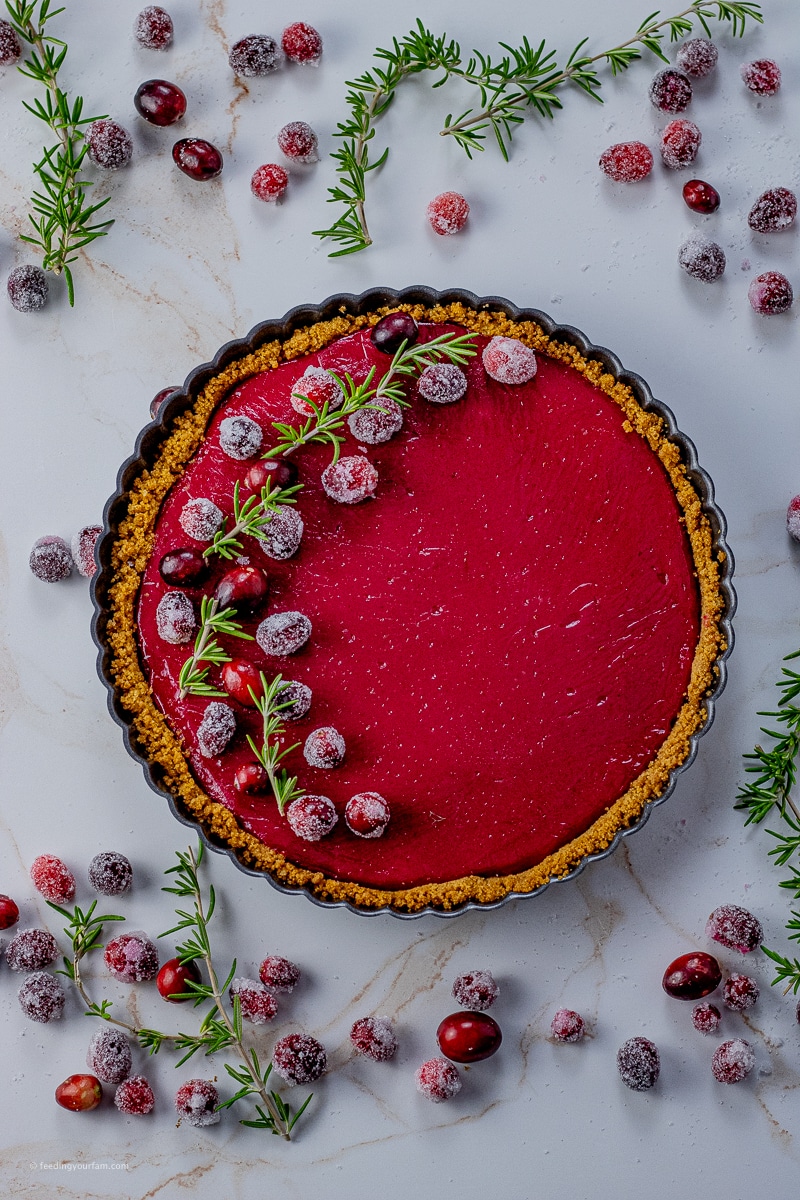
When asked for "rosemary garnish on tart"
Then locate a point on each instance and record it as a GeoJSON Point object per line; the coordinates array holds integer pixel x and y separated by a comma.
{"type": "Point", "coordinates": [270, 753]}
{"type": "Point", "coordinates": [193, 678]}
{"type": "Point", "coordinates": [251, 518]}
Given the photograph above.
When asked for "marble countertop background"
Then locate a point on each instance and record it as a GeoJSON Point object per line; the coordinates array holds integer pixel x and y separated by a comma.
{"type": "Point", "coordinates": [188, 266]}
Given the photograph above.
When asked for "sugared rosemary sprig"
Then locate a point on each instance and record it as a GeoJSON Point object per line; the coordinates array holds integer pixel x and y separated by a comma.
{"type": "Point", "coordinates": [522, 78]}
{"type": "Point", "coordinates": [62, 218]}
{"type": "Point", "coordinates": [270, 753]}
{"type": "Point", "coordinates": [193, 678]}
{"type": "Point", "coordinates": [325, 424]}
{"type": "Point", "coordinates": [251, 518]}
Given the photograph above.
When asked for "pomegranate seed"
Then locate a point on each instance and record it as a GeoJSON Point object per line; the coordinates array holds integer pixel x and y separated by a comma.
{"type": "Point", "coordinates": [324, 748]}
{"type": "Point", "coordinates": [740, 992]}
{"type": "Point", "coordinates": [42, 998]}
{"type": "Point", "coordinates": [706, 1017]}
{"type": "Point", "coordinates": [110, 145]}
{"type": "Point", "coordinates": [320, 387]}
{"type": "Point", "coordinates": [762, 76]}
{"type": "Point", "coordinates": [281, 538]}
{"type": "Point", "coordinates": [216, 729]}
{"type": "Point", "coordinates": [134, 1097]}
{"type": "Point", "coordinates": [269, 182]}
{"type": "Point", "coordinates": [670, 91]}
{"type": "Point", "coordinates": [175, 619]}
{"type": "Point", "coordinates": [509, 361]}
{"type": "Point", "coordinates": [567, 1026]}
{"type": "Point", "coordinates": [242, 680]}
{"type": "Point", "coordinates": [196, 1102]}
{"type": "Point", "coordinates": [733, 1061]}
{"type": "Point", "coordinates": [109, 1055]}
{"type": "Point", "coordinates": [27, 288]}
{"type": "Point", "coordinates": [160, 397]}
{"type": "Point", "coordinates": [311, 817]}
{"type": "Point", "coordinates": [256, 54]}
{"type": "Point", "coordinates": [375, 1038]}
{"type": "Point", "coordinates": [442, 383]}
{"type": "Point", "coordinates": [466, 1037]}
{"type": "Point", "coordinates": [251, 779]}
{"type": "Point", "coordinates": [257, 1004]}
{"type": "Point", "coordinates": [697, 57]}
{"type": "Point", "coordinates": [82, 547]}
{"type": "Point", "coordinates": [774, 209]}
{"type": "Point", "coordinates": [299, 1058]}
{"type": "Point", "coordinates": [52, 879]}
{"type": "Point", "coordinates": [283, 633]}
{"type": "Point", "coordinates": [701, 196]}
{"type": "Point", "coordinates": [184, 568]}
{"type": "Point", "coordinates": [627, 162]}
{"type": "Point", "coordinates": [200, 519]}
{"type": "Point", "coordinates": [9, 912]}
{"type": "Point", "coordinates": [680, 141]}
{"type": "Point", "coordinates": [770, 294]}
{"type": "Point", "coordinates": [447, 213]}
{"type": "Point", "coordinates": [153, 28]}
{"type": "Point", "coordinates": [160, 102]}
{"type": "Point", "coordinates": [438, 1080]}
{"type": "Point", "coordinates": [350, 480]}
{"type": "Point", "coordinates": [373, 426]}
{"type": "Point", "coordinates": [280, 474]}
{"type": "Point", "coordinates": [110, 873]}
{"type": "Point", "coordinates": [302, 44]}
{"type": "Point", "coordinates": [79, 1093]}
{"type": "Point", "coordinates": [279, 974]}
{"type": "Point", "coordinates": [240, 438]}
{"type": "Point", "coordinates": [793, 525]}
{"type": "Point", "coordinates": [242, 588]}
{"type": "Point", "coordinates": [638, 1063]}
{"type": "Point", "coordinates": [31, 949]}
{"type": "Point", "coordinates": [735, 927]}
{"type": "Point", "coordinates": [298, 142]}
{"type": "Point", "coordinates": [392, 330]}
{"type": "Point", "coordinates": [10, 45]}
{"type": "Point", "coordinates": [173, 979]}
{"type": "Point", "coordinates": [367, 815]}
{"type": "Point", "coordinates": [476, 990]}
{"type": "Point", "coordinates": [132, 957]}
{"type": "Point", "coordinates": [197, 158]}
{"type": "Point", "coordinates": [692, 976]}
{"type": "Point", "coordinates": [702, 259]}
{"type": "Point", "coordinates": [51, 559]}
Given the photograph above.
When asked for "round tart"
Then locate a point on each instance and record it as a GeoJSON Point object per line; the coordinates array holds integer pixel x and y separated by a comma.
{"type": "Point", "coordinates": [505, 616]}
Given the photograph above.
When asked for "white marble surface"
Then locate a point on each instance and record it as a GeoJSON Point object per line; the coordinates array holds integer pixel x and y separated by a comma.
{"type": "Point", "coordinates": [187, 267]}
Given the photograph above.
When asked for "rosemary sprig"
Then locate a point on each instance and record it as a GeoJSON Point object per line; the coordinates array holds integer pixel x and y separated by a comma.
{"type": "Point", "coordinates": [251, 518]}
{"type": "Point", "coordinates": [325, 424]}
{"type": "Point", "coordinates": [193, 678]}
{"type": "Point", "coordinates": [62, 218]}
{"type": "Point", "coordinates": [270, 753]}
{"type": "Point", "coordinates": [523, 77]}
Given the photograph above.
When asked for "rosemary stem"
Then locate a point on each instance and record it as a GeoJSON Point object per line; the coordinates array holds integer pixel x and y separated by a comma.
{"type": "Point", "coordinates": [134, 1030]}
{"type": "Point", "coordinates": [202, 642]}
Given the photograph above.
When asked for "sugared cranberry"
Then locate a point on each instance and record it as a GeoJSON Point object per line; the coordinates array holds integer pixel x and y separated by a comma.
{"type": "Point", "coordinates": [42, 998]}
{"type": "Point", "coordinates": [762, 76]}
{"type": "Point", "coordinates": [184, 568]}
{"type": "Point", "coordinates": [279, 974]}
{"type": "Point", "coordinates": [438, 1080]}
{"type": "Point", "coordinates": [10, 45]}
{"type": "Point", "coordinates": [392, 330]}
{"type": "Point", "coordinates": [9, 912]}
{"type": "Point", "coordinates": [692, 976]}
{"type": "Point", "coordinates": [320, 387]}
{"type": "Point", "coordinates": [110, 873]}
{"type": "Point", "coordinates": [442, 383]}
{"type": "Point", "coordinates": [350, 480]}
{"type": "Point", "coordinates": [197, 158]}
{"type": "Point", "coordinates": [160, 102]}
{"type": "Point", "coordinates": [174, 978]}
{"type": "Point", "coordinates": [200, 519]}
{"type": "Point", "coordinates": [793, 525]}
{"type": "Point", "coordinates": [638, 1063]}
{"type": "Point", "coordinates": [680, 141]}
{"type": "Point", "coordinates": [82, 547]}
{"type": "Point", "coordinates": [110, 145]}
{"type": "Point", "coordinates": [240, 437]}
{"type": "Point", "coordinates": [280, 473]}
{"type": "Point", "coordinates": [216, 729]}
{"type": "Point", "coordinates": [295, 699]}
{"type": "Point", "coordinates": [52, 879]}
{"type": "Point", "coordinates": [153, 28]}
{"type": "Point", "coordinates": [269, 182]}
{"type": "Point", "coordinates": [134, 1097]}
{"type": "Point", "coordinates": [251, 779]}
{"type": "Point", "coordinates": [79, 1093]}
{"type": "Point", "coordinates": [31, 949]}
{"type": "Point", "coordinates": [706, 1017]}
{"type": "Point", "coordinates": [175, 618]}
{"type": "Point", "coordinates": [375, 1038]}
{"type": "Point", "coordinates": [298, 142]}
{"type": "Point", "coordinates": [735, 927]}
{"type": "Point", "coordinates": [770, 294]}
{"type": "Point", "coordinates": [367, 815]}
{"type": "Point", "coordinates": [476, 990]}
{"type": "Point", "coordinates": [109, 1056]}
{"type": "Point", "coordinates": [733, 1061]}
{"type": "Point", "coordinates": [374, 425]}
{"type": "Point", "coordinates": [51, 559]}
{"type": "Point", "coordinates": [283, 633]}
{"type": "Point", "coordinates": [27, 288]}
{"type": "Point", "coordinates": [567, 1026]}
{"type": "Point", "coordinates": [701, 196]}
{"type": "Point", "coordinates": [196, 1102]}
{"type": "Point", "coordinates": [132, 957]}
{"type": "Point", "coordinates": [670, 91]}
{"type": "Point", "coordinates": [627, 162]}
{"type": "Point", "coordinates": [240, 678]}
{"type": "Point", "coordinates": [302, 44]}
{"type": "Point", "coordinates": [256, 54]}
{"type": "Point", "coordinates": [740, 992]}
{"type": "Point", "coordinates": [774, 210]}
{"type": "Point", "coordinates": [158, 400]}
{"type": "Point", "coordinates": [299, 1058]}
{"type": "Point", "coordinates": [280, 538]}
{"type": "Point", "coordinates": [466, 1037]}
{"type": "Point", "coordinates": [257, 1003]}
{"type": "Point", "coordinates": [509, 361]}
{"type": "Point", "coordinates": [324, 748]}
{"type": "Point", "coordinates": [447, 213]}
{"type": "Point", "coordinates": [311, 817]}
{"type": "Point", "coordinates": [242, 588]}
{"type": "Point", "coordinates": [702, 258]}
{"type": "Point", "coordinates": [697, 57]}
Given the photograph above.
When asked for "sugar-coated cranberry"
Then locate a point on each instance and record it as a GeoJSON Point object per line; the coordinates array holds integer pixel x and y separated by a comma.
{"type": "Point", "coordinates": [79, 1093]}
{"type": "Point", "coordinates": [697, 57]}
{"type": "Point", "coordinates": [376, 423]}
{"type": "Point", "coordinates": [299, 1058]}
{"type": "Point", "coordinates": [9, 912]}
{"type": "Point", "coordinates": [476, 990]}
{"type": "Point", "coordinates": [52, 879]}
{"type": "Point", "coordinates": [280, 473]}
{"type": "Point", "coordinates": [706, 1017]}
{"type": "Point", "coordinates": [269, 182]}
{"type": "Point", "coordinates": [42, 998]}
{"type": "Point", "coordinates": [283, 633]}
{"type": "Point", "coordinates": [200, 519]}
{"type": "Point", "coordinates": [279, 974]}
{"type": "Point", "coordinates": [196, 1102]}
{"type": "Point", "coordinates": [447, 213]}
{"type": "Point", "coordinates": [110, 144]}
{"type": "Point", "coordinates": [701, 196]}
{"type": "Point", "coordinates": [739, 992]}
{"type": "Point", "coordinates": [770, 294]}
{"type": "Point", "coordinates": [10, 45]}
{"type": "Point", "coordinates": [793, 525]}
{"type": "Point", "coordinates": [82, 547]}
{"type": "Point", "coordinates": [392, 330]}
{"type": "Point", "coordinates": [774, 210]}
{"type": "Point", "coordinates": [132, 957]}
{"type": "Point", "coordinates": [735, 927]}
{"type": "Point", "coordinates": [51, 559]}
{"type": "Point", "coordinates": [242, 588]}
{"type": "Point", "coordinates": [184, 568]}
{"type": "Point", "coordinates": [437, 1080]}
{"type": "Point", "coordinates": [302, 44]}
{"type": "Point", "coordinates": [367, 815]}
{"type": "Point", "coordinates": [160, 102]}
{"type": "Point", "coordinates": [256, 1002]}
{"type": "Point", "coordinates": [311, 817]}
{"type": "Point", "coordinates": [375, 1038]}
{"type": "Point", "coordinates": [251, 779]}
{"type": "Point", "coordinates": [638, 1063]}
{"type": "Point", "coordinates": [110, 873]}
{"type": "Point", "coordinates": [134, 1097]}
{"type": "Point", "coordinates": [320, 387]}
{"type": "Point", "coordinates": [762, 76]}
{"type": "Point", "coordinates": [175, 618]}
{"type": "Point", "coordinates": [174, 978]}
{"type": "Point", "coordinates": [27, 288]}
{"type": "Point", "coordinates": [627, 162]}
{"type": "Point", "coordinates": [509, 361]}
{"type": "Point", "coordinates": [467, 1037]}
{"type": "Point", "coordinates": [256, 54]}
{"type": "Point", "coordinates": [324, 748]}
{"type": "Point", "coordinates": [109, 1056]}
{"type": "Point", "coordinates": [733, 1061]}
{"type": "Point", "coordinates": [197, 158]}
{"type": "Point", "coordinates": [680, 141]}
{"type": "Point", "coordinates": [567, 1026]}
{"type": "Point", "coordinates": [159, 399]}
{"type": "Point", "coordinates": [692, 976]}
{"type": "Point", "coordinates": [298, 142]}
{"type": "Point", "coordinates": [240, 437]}
{"type": "Point", "coordinates": [295, 700]}
{"type": "Point", "coordinates": [216, 729]}
{"type": "Point", "coordinates": [350, 479]}
{"type": "Point", "coordinates": [280, 538]}
{"type": "Point", "coordinates": [153, 28]}
{"type": "Point", "coordinates": [702, 258]}
{"type": "Point", "coordinates": [242, 680]}
{"type": "Point", "coordinates": [442, 383]}
{"type": "Point", "coordinates": [31, 949]}
{"type": "Point", "coordinates": [670, 91]}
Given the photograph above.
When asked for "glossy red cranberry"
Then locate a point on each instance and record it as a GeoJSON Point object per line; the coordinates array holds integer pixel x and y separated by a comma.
{"type": "Point", "coordinates": [183, 568]}
{"type": "Point", "coordinates": [391, 331]}
{"type": "Point", "coordinates": [242, 588]}
{"type": "Point", "coordinates": [9, 913]}
{"type": "Point", "coordinates": [701, 196]}
{"type": "Point", "coordinates": [278, 473]}
{"type": "Point", "coordinates": [158, 400]}
{"type": "Point", "coordinates": [159, 102]}
{"type": "Point", "coordinates": [692, 976]}
{"type": "Point", "coordinates": [197, 158]}
{"type": "Point", "coordinates": [240, 678]}
{"type": "Point", "coordinates": [173, 978]}
{"type": "Point", "coordinates": [79, 1093]}
{"type": "Point", "coordinates": [467, 1037]}
{"type": "Point", "coordinates": [252, 779]}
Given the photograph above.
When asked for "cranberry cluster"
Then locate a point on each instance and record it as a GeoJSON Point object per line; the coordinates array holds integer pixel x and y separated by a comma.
{"type": "Point", "coordinates": [52, 559]}
{"type": "Point", "coordinates": [464, 1037]}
